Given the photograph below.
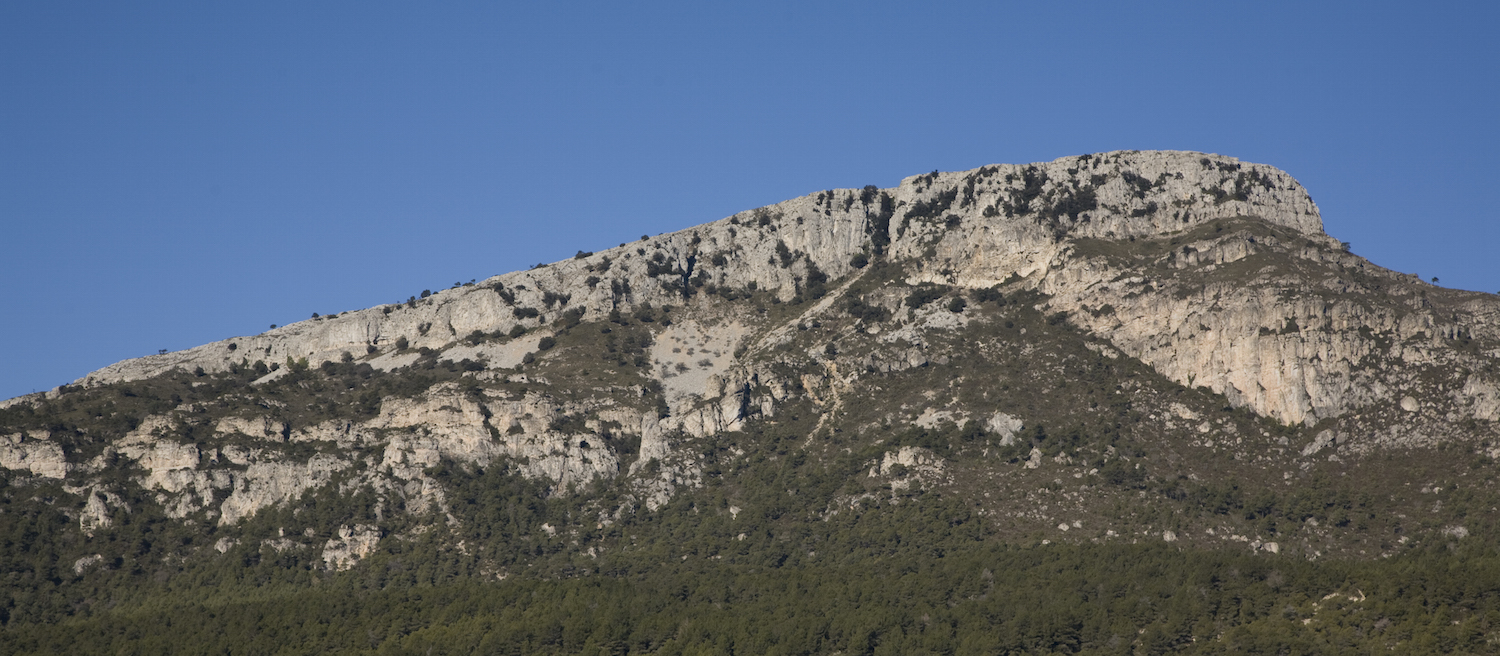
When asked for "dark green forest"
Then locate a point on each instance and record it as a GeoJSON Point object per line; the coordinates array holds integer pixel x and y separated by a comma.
{"type": "Point", "coordinates": [984, 599]}
{"type": "Point", "coordinates": [923, 576]}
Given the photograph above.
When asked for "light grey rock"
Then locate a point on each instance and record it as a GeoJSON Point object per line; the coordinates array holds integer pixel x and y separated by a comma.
{"type": "Point", "coordinates": [1005, 427]}
{"type": "Point", "coordinates": [352, 544]}
{"type": "Point", "coordinates": [267, 483]}
{"type": "Point", "coordinates": [83, 564]}
{"type": "Point", "coordinates": [19, 452]}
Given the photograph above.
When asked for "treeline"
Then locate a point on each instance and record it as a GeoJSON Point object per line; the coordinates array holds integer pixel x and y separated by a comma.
{"type": "Point", "coordinates": [1076, 599]}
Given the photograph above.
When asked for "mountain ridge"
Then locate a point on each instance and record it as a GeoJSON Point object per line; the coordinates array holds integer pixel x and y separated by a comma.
{"type": "Point", "coordinates": [328, 337]}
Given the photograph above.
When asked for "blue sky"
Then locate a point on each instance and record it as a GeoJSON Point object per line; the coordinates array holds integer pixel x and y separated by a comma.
{"type": "Point", "coordinates": [176, 173]}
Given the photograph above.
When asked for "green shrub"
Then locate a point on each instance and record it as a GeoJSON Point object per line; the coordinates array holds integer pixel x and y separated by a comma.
{"type": "Point", "coordinates": [784, 254]}
{"type": "Point", "coordinates": [546, 343]}
{"type": "Point", "coordinates": [932, 209]}
{"type": "Point", "coordinates": [858, 309]}
{"type": "Point", "coordinates": [989, 294]}
{"type": "Point", "coordinates": [817, 281]}
{"type": "Point", "coordinates": [572, 317]}
{"type": "Point", "coordinates": [924, 294]}
{"type": "Point", "coordinates": [506, 295]}
{"type": "Point", "coordinates": [1073, 204]}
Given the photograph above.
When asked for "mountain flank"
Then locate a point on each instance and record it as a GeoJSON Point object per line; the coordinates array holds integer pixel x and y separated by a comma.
{"type": "Point", "coordinates": [1152, 359]}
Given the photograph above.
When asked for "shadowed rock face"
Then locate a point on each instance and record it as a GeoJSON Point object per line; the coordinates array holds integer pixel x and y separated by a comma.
{"type": "Point", "coordinates": [1212, 273]}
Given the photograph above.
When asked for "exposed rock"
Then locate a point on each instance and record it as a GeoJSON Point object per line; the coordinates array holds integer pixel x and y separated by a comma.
{"type": "Point", "coordinates": [83, 564]}
{"type": "Point", "coordinates": [1484, 397]}
{"type": "Point", "coordinates": [1005, 427]}
{"type": "Point", "coordinates": [282, 544]}
{"type": "Point", "coordinates": [41, 458]}
{"type": "Point", "coordinates": [257, 427]}
{"type": "Point", "coordinates": [1034, 458]}
{"type": "Point", "coordinates": [911, 461]}
{"type": "Point", "coordinates": [164, 461]}
{"type": "Point", "coordinates": [1323, 440]}
{"type": "Point", "coordinates": [95, 514]}
{"type": "Point", "coordinates": [455, 425]}
{"type": "Point", "coordinates": [352, 544]}
{"type": "Point", "coordinates": [266, 483]}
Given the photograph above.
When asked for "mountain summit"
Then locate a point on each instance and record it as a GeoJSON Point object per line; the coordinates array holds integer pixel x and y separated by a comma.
{"type": "Point", "coordinates": [1104, 351]}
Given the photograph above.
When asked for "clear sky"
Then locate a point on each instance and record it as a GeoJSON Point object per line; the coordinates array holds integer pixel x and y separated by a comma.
{"type": "Point", "coordinates": [177, 173]}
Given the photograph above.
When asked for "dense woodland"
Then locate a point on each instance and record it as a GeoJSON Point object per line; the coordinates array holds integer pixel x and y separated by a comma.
{"type": "Point", "coordinates": [921, 572]}
{"type": "Point", "coordinates": [921, 579]}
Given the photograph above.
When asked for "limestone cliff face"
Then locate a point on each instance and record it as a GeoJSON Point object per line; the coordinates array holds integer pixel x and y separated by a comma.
{"type": "Point", "coordinates": [1234, 311]}
{"type": "Point", "coordinates": [971, 228]}
{"type": "Point", "coordinates": [33, 453]}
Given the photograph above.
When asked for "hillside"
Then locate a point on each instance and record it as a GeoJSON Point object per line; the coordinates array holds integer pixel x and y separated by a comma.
{"type": "Point", "coordinates": [1115, 403]}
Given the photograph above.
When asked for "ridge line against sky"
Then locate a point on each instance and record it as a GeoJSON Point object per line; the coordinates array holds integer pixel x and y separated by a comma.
{"type": "Point", "coordinates": [173, 174]}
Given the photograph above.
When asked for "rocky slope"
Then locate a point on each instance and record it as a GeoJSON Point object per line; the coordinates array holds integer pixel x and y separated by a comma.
{"type": "Point", "coordinates": [1046, 341]}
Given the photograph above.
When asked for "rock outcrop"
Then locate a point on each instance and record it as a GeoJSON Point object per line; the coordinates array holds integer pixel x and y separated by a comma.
{"type": "Point", "coordinates": [28, 453]}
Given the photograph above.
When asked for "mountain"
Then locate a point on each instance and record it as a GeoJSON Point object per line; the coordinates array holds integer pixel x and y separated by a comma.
{"type": "Point", "coordinates": [1131, 401]}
